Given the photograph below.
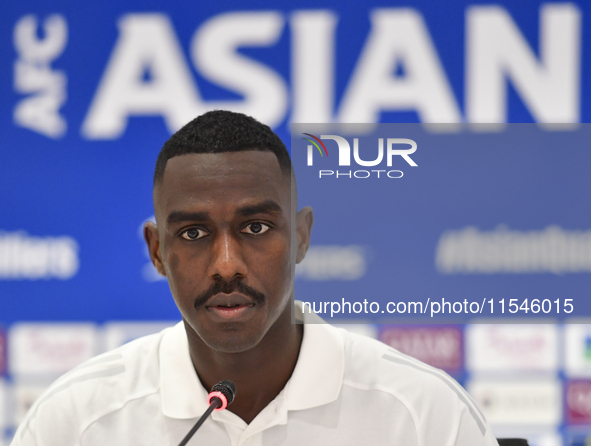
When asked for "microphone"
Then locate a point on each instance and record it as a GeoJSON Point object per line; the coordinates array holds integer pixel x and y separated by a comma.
{"type": "Point", "coordinates": [220, 397]}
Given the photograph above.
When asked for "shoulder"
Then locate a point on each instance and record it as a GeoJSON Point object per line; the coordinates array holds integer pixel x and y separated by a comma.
{"type": "Point", "coordinates": [97, 387]}
{"type": "Point", "coordinates": [373, 364]}
{"type": "Point", "coordinates": [431, 398]}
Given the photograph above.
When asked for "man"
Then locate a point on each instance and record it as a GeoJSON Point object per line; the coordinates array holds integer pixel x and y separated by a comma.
{"type": "Point", "coordinates": [227, 237]}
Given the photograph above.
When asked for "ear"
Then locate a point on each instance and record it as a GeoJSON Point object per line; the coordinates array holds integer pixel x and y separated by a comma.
{"type": "Point", "coordinates": [153, 242]}
{"type": "Point", "coordinates": [304, 222]}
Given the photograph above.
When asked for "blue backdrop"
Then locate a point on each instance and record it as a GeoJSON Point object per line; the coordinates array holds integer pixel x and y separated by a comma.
{"type": "Point", "coordinates": [89, 92]}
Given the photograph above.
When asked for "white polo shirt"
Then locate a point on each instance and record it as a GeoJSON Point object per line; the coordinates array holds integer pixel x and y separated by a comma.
{"type": "Point", "coordinates": [345, 390]}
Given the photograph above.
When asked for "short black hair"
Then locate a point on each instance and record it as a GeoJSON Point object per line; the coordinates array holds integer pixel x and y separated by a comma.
{"type": "Point", "coordinates": [222, 131]}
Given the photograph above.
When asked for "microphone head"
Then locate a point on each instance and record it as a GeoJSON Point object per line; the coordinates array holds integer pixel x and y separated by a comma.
{"type": "Point", "coordinates": [227, 388]}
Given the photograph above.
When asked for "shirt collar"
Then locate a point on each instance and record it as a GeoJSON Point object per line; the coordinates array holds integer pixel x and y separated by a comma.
{"type": "Point", "coordinates": [316, 379]}
{"type": "Point", "coordinates": [183, 395]}
{"type": "Point", "coordinates": [318, 374]}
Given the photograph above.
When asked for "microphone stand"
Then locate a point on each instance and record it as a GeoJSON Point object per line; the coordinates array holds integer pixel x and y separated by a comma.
{"type": "Point", "coordinates": [215, 403]}
{"type": "Point", "coordinates": [221, 395]}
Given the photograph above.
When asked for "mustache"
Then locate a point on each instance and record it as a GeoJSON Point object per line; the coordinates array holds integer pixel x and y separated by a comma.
{"type": "Point", "coordinates": [225, 287]}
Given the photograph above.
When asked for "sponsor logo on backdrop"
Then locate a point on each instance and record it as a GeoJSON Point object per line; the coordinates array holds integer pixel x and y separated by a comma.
{"type": "Point", "coordinates": [333, 262]}
{"type": "Point", "coordinates": [344, 157]}
{"type": "Point", "coordinates": [437, 346]}
{"type": "Point", "coordinates": [506, 348]}
{"type": "Point", "coordinates": [577, 347]}
{"type": "Point", "coordinates": [505, 251]}
{"type": "Point", "coordinates": [26, 257]}
{"type": "Point", "coordinates": [578, 402]}
{"type": "Point", "coordinates": [514, 403]}
{"type": "Point", "coordinates": [37, 349]}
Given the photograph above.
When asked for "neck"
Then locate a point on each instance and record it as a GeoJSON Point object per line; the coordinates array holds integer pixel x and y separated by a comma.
{"type": "Point", "coordinates": [259, 373]}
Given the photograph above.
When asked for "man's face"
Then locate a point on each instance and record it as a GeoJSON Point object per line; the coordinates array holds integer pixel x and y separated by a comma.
{"type": "Point", "coordinates": [224, 239]}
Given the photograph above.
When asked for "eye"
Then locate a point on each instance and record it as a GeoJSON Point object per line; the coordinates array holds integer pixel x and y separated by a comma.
{"type": "Point", "coordinates": [193, 234]}
{"type": "Point", "coordinates": [256, 228]}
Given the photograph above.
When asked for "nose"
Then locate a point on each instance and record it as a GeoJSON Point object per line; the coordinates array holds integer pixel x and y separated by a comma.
{"type": "Point", "coordinates": [227, 261]}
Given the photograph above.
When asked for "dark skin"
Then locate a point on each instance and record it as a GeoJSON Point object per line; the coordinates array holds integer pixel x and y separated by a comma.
{"type": "Point", "coordinates": [227, 244]}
